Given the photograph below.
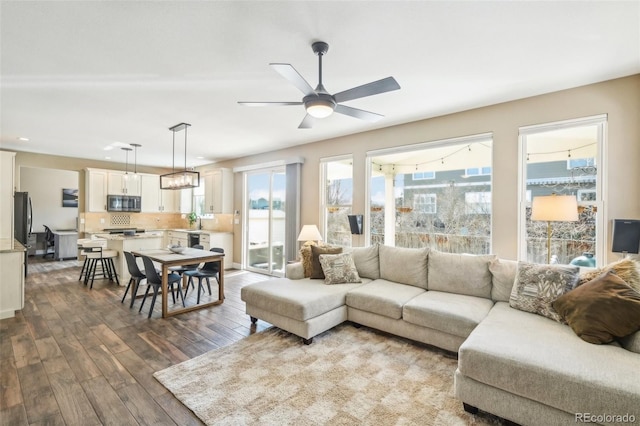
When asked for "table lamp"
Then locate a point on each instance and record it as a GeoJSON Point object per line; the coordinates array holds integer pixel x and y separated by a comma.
{"type": "Point", "coordinates": [309, 234]}
{"type": "Point", "coordinates": [554, 208]}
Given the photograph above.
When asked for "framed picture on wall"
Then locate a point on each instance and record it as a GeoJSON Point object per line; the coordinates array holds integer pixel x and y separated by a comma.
{"type": "Point", "coordinates": [69, 197]}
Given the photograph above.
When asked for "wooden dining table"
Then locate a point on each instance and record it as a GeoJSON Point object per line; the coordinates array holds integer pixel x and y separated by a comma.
{"type": "Point", "coordinates": [189, 256]}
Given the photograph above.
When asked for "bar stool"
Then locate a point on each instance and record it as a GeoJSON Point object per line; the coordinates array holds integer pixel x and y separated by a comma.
{"type": "Point", "coordinates": [96, 252]}
{"type": "Point", "coordinates": [86, 260]}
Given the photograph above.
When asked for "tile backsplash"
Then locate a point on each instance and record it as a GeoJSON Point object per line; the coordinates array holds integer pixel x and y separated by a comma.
{"type": "Point", "coordinates": [95, 222]}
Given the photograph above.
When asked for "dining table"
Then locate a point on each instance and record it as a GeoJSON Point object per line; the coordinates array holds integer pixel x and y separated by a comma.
{"type": "Point", "coordinates": [166, 258]}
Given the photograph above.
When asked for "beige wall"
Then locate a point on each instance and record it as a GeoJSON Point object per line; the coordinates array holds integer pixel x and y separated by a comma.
{"type": "Point", "coordinates": [619, 99]}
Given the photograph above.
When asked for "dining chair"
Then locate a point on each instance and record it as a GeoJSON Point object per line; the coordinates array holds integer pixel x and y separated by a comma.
{"type": "Point", "coordinates": [155, 280]}
{"type": "Point", "coordinates": [183, 268]}
{"type": "Point", "coordinates": [136, 277]}
{"type": "Point", "coordinates": [209, 270]}
{"type": "Point", "coordinates": [97, 253]}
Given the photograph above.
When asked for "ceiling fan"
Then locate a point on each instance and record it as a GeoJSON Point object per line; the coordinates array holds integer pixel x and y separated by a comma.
{"type": "Point", "coordinates": [318, 102]}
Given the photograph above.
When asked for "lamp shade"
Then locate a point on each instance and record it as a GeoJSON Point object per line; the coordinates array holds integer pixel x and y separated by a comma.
{"type": "Point", "coordinates": [309, 233]}
{"type": "Point", "coordinates": [555, 208]}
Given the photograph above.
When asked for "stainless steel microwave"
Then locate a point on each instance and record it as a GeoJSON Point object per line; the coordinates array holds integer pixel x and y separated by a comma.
{"type": "Point", "coordinates": [124, 203]}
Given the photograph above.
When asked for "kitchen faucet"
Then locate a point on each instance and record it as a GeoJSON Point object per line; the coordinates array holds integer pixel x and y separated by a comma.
{"type": "Point", "coordinates": [199, 222]}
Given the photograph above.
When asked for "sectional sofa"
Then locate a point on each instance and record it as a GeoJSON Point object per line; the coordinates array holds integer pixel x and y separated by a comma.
{"type": "Point", "coordinates": [518, 365]}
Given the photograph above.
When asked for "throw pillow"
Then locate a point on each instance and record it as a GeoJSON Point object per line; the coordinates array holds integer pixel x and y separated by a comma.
{"type": "Point", "coordinates": [305, 257]}
{"type": "Point", "coordinates": [627, 269]}
{"type": "Point", "coordinates": [601, 310]}
{"type": "Point", "coordinates": [316, 267]}
{"type": "Point", "coordinates": [537, 286]}
{"type": "Point", "coordinates": [339, 268]}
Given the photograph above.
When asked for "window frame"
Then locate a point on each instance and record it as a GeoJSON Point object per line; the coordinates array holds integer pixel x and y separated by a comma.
{"type": "Point", "coordinates": [324, 206]}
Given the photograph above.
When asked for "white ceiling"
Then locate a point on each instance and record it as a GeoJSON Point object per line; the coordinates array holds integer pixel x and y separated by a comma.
{"type": "Point", "coordinates": [78, 76]}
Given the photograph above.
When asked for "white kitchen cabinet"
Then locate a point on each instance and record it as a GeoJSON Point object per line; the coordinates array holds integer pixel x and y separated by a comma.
{"type": "Point", "coordinates": [96, 190]}
{"type": "Point", "coordinates": [178, 238]}
{"type": "Point", "coordinates": [156, 200]}
{"type": "Point", "coordinates": [7, 173]}
{"type": "Point", "coordinates": [218, 191]}
{"type": "Point", "coordinates": [223, 240]}
{"type": "Point", "coordinates": [12, 266]}
{"type": "Point", "coordinates": [121, 183]}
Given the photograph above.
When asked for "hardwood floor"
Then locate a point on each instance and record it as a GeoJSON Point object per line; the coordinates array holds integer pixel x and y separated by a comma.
{"type": "Point", "coordinates": [75, 356]}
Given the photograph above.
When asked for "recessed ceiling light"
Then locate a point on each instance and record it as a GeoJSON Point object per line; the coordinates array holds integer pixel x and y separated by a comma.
{"type": "Point", "coordinates": [23, 139]}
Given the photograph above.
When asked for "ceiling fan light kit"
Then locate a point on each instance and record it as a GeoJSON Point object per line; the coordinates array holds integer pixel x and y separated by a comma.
{"type": "Point", "coordinates": [182, 179]}
{"type": "Point", "coordinates": [319, 103]}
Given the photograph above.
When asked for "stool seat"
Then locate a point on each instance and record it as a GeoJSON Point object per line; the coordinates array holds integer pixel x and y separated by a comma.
{"type": "Point", "coordinates": [95, 252]}
{"type": "Point", "coordinates": [104, 254]}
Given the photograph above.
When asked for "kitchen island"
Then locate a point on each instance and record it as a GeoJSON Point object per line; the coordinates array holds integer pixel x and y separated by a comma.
{"type": "Point", "coordinates": [139, 241]}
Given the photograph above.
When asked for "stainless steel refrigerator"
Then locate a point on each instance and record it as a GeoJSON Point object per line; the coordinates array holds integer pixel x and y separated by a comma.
{"type": "Point", "coordinates": [23, 220]}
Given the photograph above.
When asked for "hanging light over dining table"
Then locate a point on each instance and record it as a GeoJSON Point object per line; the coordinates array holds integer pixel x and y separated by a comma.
{"type": "Point", "coordinates": [181, 179]}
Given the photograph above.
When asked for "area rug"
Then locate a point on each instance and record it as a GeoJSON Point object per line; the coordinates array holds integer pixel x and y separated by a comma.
{"type": "Point", "coordinates": [348, 376]}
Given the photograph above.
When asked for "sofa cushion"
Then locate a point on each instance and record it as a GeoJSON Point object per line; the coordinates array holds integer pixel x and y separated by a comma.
{"type": "Point", "coordinates": [300, 299]}
{"type": "Point", "coordinates": [404, 265]}
{"type": "Point", "coordinates": [632, 342]}
{"type": "Point", "coordinates": [316, 267]}
{"type": "Point", "coordinates": [544, 361]}
{"type": "Point", "coordinates": [503, 274]}
{"type": "Point", "coordinates": [537, 286]}
{"type": "Point", "coordinates": [460, 273]}
{"type": "Point", "coordinates": [382, 297]}
{"type": "Point", "coordinates": [601, 310]}
{"type": "Point", "coordinates": [339, 268]}
{"type": "Point", "coordinates": [367, 262]}
{"type": "Point", "coordinates": [627, 269]}
{"type": "Point", "coordinates": [455, 314]}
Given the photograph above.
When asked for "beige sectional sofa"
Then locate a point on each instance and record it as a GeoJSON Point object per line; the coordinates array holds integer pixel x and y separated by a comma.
{"type": "Point", "coordinates": [518, 365]}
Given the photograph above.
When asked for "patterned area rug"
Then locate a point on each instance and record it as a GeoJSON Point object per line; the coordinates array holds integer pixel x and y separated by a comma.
{"type": "Point", "coordinates": [348, 376]}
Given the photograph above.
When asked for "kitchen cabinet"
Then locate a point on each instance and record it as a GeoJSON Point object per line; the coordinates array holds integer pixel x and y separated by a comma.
{"type": "Point", "coordinates": [218, 191]}
{"type": "Point", "coordinates": [156, 200]}
{"type": "Point", "coordinates": [223, 240]}
{"type": "Point", "coordinates": [12, 265]}
{"type": "Point", "coordinates": [7, 172]}
{"type": "Point", "coordinates": [120, 183]}
{"type": "Point", "coordinates": [175, 238]}
{"type": "Point", "coordinates": [96, 190]}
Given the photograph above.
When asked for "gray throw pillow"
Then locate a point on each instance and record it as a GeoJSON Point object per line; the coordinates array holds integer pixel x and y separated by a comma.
{"type": "Point", "coordinates": [537, 286]}
{"type": "Point", "coordinates": [339, 268]}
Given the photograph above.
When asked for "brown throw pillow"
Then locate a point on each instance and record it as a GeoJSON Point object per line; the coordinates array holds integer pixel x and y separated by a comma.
{"type": "Point", "coordinates": [627, 269]}
{"type": "Point", "coordinates": [316, 251]}
{"type": "Point", "coordinates": [601, 310]}
{"type": "Point", "coordinates": [305, 257]}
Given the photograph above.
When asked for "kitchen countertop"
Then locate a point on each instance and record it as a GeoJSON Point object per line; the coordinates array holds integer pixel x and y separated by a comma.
{"type": "Point", "coordinates": [8, 245]}
{"type": "Point", "coordinates": [131, 237]}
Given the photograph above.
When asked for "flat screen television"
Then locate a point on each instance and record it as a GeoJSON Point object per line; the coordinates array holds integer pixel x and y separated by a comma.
{"type": "Point", "coordinates": [626, 236]}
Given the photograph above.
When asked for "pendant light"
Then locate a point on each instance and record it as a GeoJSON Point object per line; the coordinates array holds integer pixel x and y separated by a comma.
{"type": "Point", "coordinates": [181, 179]}
{"type": "Point", "coordinates": [135, 159]}
{"type": "Point", "coordinates": [126, 167]}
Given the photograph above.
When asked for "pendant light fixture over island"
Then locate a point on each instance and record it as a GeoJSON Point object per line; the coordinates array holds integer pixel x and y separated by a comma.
{"type": "Point", "coordinates": [184, 178]}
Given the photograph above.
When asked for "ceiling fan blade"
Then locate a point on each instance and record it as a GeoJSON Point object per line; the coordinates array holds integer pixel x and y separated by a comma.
{"type": "Point", "coordinates": [290, 73]}
{"type": "Point", "coordinates": [381, 86]}
{"type": "Point", "coordinates": [269, 103]}
{"type": "Point", "coordinates": [371, 117]}
{"type": "Point", "coordinates": [307, 122]}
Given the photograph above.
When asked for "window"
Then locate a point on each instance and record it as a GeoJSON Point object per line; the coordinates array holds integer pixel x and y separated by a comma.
{"type": "Point", "coordinates": [198, 199]}
{"type": "Point", "coordinates": [424, 203]}
{"type": "Point", "coordinates": [337, 196]}
{"type": "Point", "coordinates": [419, 195]}
{"type": "Point", "coordinates": [424, 175]}
{"type": "Point", "coordinates": [478, 171]}
{"type": "Point", "coordinates": [477, 202]}
{"type": "Point", "coordinates": [561, 158]}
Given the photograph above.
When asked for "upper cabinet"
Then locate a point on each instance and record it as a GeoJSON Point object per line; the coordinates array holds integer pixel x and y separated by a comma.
{"type": "Point", "coordinates": [156, 200]}
{"type": "Point", "coordinates": [218, 191]}
{"type": "Point", "coordinates": [96, 190]}
{"type": "Point", "coordinates": [121, 183]}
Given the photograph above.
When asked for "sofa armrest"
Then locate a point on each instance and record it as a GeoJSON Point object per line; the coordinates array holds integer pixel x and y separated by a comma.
{"type": "Point", "coordinates": [294, 271]}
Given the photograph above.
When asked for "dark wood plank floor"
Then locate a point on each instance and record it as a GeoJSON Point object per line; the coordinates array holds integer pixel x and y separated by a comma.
{"type": "Point", "coordinates": [75, 356]}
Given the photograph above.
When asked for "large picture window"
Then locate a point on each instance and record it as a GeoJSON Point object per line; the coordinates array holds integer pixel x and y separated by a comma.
{"type": "Point", "coordinates": [337, 197]}
{"type": "Point", "coordinates": [435, 194]}
{"type": "Point", "coordinates": [563, 159]}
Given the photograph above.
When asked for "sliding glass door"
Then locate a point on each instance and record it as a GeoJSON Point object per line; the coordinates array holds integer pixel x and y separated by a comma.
{"type": "Point", "coordinates": [265, 220]}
